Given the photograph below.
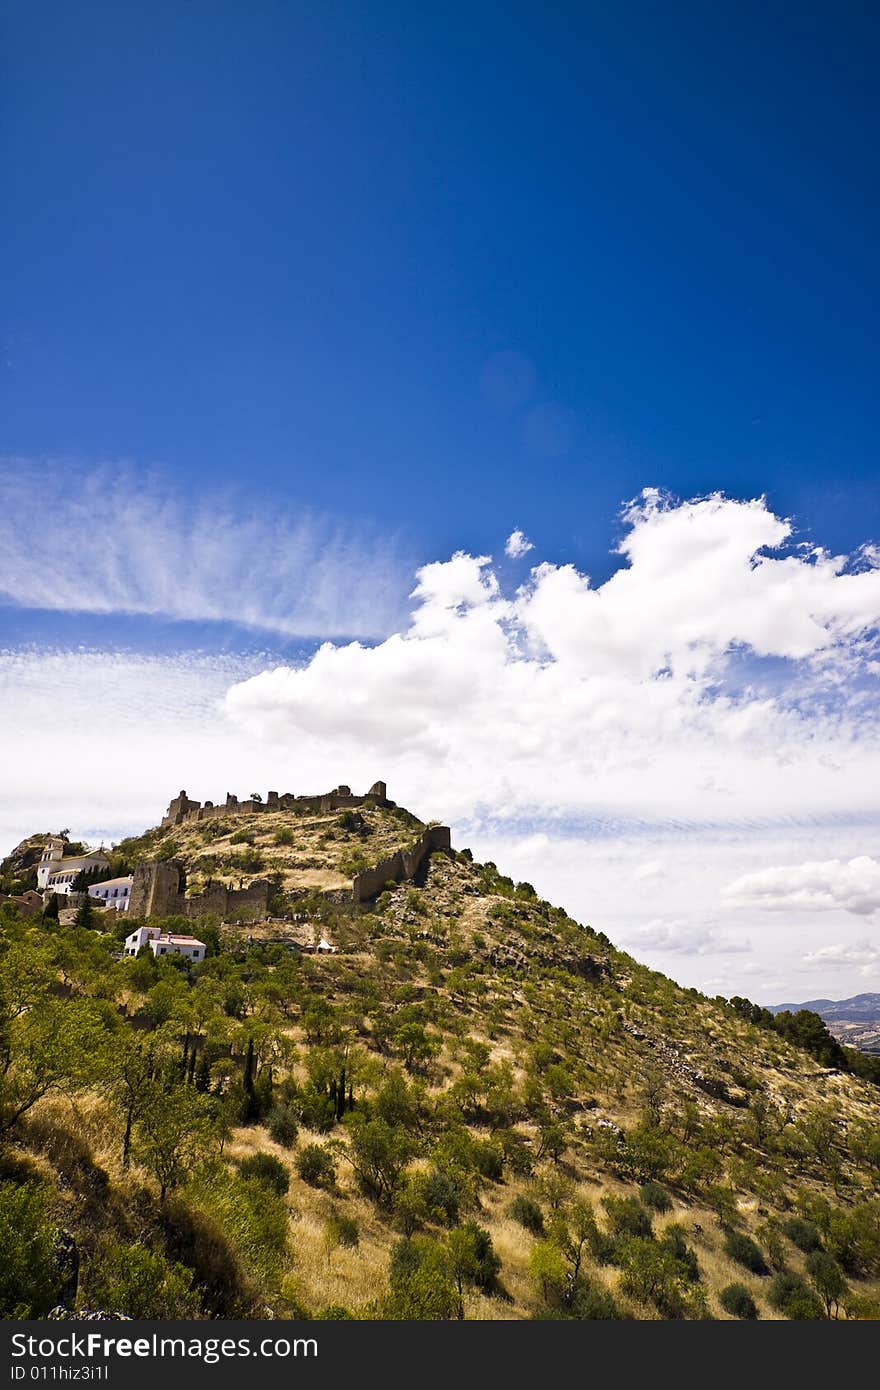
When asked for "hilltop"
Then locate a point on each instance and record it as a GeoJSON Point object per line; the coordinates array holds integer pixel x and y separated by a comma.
{"type": "Point", "coordinates": [476, 1106]}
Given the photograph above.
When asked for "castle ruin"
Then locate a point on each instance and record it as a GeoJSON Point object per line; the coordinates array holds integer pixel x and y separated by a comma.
{"type": "Point", "coordinates": [182, 809]}
{"type": "Point", "coordinates": [159, 886]}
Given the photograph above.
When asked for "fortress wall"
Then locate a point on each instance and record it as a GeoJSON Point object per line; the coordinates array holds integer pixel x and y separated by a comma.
{"type": "Point", "coordinates": [182, 809]}
{"type": "Point", "coordinates": [250, 901]}
{"type": "Point", "coordinates": [405, 864]}
{"type": "Point", "coordinates": [157, 891]}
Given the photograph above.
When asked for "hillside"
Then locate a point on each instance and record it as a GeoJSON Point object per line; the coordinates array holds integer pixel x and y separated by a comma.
{"type": "Point", "coordinates": [476, 1107]}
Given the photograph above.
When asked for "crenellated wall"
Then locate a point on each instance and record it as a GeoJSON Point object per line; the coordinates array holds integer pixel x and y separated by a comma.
{"type": "Point", "coordinates": [183, 809]}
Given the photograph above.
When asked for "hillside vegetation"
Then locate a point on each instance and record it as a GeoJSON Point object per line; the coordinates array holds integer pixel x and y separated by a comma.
{"type": "Point", "coordinates": [477, 1108]}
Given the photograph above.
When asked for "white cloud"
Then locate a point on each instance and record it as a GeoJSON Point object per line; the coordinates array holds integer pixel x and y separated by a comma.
{"type": "Point", "coordinates": [648, 872]}
{"type": "Point", "coordinates": [815, 886]}
{"type": "Point", "coordinates": [625, 699]}
{"type": "Point", "coordinates": [649, 740]}
{"type": "Point", "coordinates": [99, 741]}
{"type": "Point", "coordinates": [681, 938]}
{"type": "Point", "coordinates": [129, 542]}
{"type": "Point", "coordinates": [517, 545]}
{"type": "Point", "coordinates": [862, 955]}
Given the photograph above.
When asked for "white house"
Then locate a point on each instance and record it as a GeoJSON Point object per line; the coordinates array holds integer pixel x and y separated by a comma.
{"type": "Point", "coordinates": [56, 873]}
{"type": "Point", "coordinates": [113, 892]}
{"type": "Point", "coordinates": [163, 943]}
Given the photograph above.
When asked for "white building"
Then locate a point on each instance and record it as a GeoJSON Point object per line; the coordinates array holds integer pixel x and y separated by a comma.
{"type": "Point", "coordinates": [56, 873]}
{"type": "Point", "coordinates": [163, 943]}
{"type": "Point", "coordinates": [113, 892]}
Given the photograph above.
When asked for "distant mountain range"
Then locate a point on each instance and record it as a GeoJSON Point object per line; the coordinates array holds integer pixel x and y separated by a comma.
{"type": "Point", "coordinates": [861, 1008]}
{"type": "Point", "coordinates": [854, 1021]}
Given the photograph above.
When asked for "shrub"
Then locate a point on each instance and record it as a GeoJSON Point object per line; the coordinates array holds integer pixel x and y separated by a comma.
{"type": "Point", "coordinates": [674, 1239]}
{"type": "Point", "coordinates": [652, 1195]}
{"type": "Point", "coordinates": [267, 1169]}
{"type": "Point", "coordinates": [334, 1312]}
{"type": "Point", "coordinates": [488, 1160]}
{"type": "Point", "coordinates": [139, 1283]}
{"type": "Point", "coordinates": [744, 1250]}
{"type": "Point", "coordinates": [592, 1303]}
{"type": "Point", "coordinates": [652, 1274]}
{"type": "Point", "coordinates": [472, 1258]}
{"type": "Point", "coordinates": [627, 1216]}
{"type": "Point", "coordinates": [282, 1126]}
{"type": "Point", "coordinates": [343, 1230]}
{"type": "Point", "coordinates": [422, 1286]}
{"type": "Point", "coordinates": [736, 1300]}
{"type": "Point", "coordinates": [548, 1270]}
{"type": "Point", "coordinates": [250, 1220]}
{"type": "Point", "coordinates": [284, 837]}
{"type": "Point", "coordinates": [29, 1279]}
{"type": "Point", "coordinates": [527, 1212]}
{"type": "Point", "coordinates": [315, 1165]}
{"type": "Point", "coordinates": [443, 1195]}
{"type": "Point", "coordinates": [790, 1295]}
{"type": "Point", "coordinates": [802, 1233]}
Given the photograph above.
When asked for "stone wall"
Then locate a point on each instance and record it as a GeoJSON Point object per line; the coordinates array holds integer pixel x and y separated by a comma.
{"type": "Point", "coordinates": [159, 890]}
{"type": "Point", "coordinates": [403, 865]}
{"type": "Point", "coordinates": [182, 809]}
{"type": "Point", "coordinates": [29, 903]}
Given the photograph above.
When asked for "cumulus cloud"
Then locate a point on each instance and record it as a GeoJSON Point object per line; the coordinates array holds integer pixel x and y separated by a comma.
{"type": "Point", "coordinates": [682, 938]}
{"type": "Point", "coordinates": [705, 712]}
{"type": "Point", "coordinates": [815, 886]}
{"type": "Point", "coordinates": [517, 545]}
{"type": "Point", "coordinates": [128, 542]}
{"type": "Point", "coordinates": [842, 956]}
{"type": "Point", "coordinates": [643, 696]}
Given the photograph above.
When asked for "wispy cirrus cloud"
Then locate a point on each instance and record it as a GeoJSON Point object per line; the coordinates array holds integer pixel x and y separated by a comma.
{"type": "Point", "coordinates": [121, 540]}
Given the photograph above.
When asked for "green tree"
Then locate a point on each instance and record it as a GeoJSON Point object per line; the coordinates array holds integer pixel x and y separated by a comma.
{"type": "Point", "coordinates": [175, 1130]}
{"type": "Point", "coordinates": [128, 1066]}
{"type": "Point", "coordinates": [414, 1046]}
{"type": "Point", "coordinates": [547, 1270]}
{"type": "Point", "coordinates": [472, 1260]}
{"type": "Point", "coordinates": [574, 1234]}
{"type": "Point", "coordinates": [828, 1281]}
{"type": "Point", "coordinates": [85, 914]}
{"type": "Point", "coordinates": [44, 1048]}
{"type": "Point", "coordinates": [379, 1154]}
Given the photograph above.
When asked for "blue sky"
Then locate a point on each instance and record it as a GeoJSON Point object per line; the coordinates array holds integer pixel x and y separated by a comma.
{"type": "Point", "coordinates": [340, 290]}
{"type": "Point", "coordinates": [282, 241]}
